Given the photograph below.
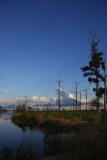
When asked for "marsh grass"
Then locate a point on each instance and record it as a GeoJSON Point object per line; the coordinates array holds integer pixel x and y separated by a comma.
{"type": "Point", "coordinates": [89, 140]}
{"type": "Point", "coordinates": [22, 152]}
{"type": "Point", "coordinates": [88, 143]}
{"type": "Point", "coordinates": [63, 121]}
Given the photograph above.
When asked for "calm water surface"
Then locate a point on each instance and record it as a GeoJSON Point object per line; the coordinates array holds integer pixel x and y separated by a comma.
{"type": "Point", "coordinates": [12, 136]}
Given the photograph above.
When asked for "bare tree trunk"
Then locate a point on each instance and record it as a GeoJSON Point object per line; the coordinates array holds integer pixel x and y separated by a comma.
{"type": "Point", "coordinates": [98, 104]}
{"type": "Point", "coordinates": [98, 98]}
{"type": "Point", "coordinates": [76, 97]}
{"type": "Point", "coordinates": [105, 86]}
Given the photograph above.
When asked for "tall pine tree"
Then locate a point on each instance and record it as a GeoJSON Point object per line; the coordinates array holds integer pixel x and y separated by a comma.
{"type": "Point", "coordinates": [93, 70]}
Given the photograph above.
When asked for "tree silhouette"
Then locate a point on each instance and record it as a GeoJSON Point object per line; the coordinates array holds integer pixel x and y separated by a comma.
{"type": "Point", "coordinates": [0, 108]}
{"type": "Point", "coordinates": [93, 70]}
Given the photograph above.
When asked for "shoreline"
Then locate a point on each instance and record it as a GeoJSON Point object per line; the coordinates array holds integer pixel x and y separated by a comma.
{"type": "Point", "coordinates": [54, 121]}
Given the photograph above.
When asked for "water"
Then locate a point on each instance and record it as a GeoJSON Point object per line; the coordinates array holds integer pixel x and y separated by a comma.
{"type": "Point", "coordinates": [12, 136]}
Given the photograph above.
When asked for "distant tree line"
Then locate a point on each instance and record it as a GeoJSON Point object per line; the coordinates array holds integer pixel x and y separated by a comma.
{"type": "Point", "coordinates": [23, 107]}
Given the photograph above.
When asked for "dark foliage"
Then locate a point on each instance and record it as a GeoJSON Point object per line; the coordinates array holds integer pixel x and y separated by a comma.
{"type": "Point", "coordinates": [22, 152]}
{"type": "Point", "coordinates": [0, 108]}
{"type": "Point", "coordinates": [92, 71]}
{"type": "Point", "coordinates": [23, 107]}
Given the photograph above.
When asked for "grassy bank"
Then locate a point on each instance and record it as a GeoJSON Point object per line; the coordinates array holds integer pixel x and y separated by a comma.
{"type": "Point", "coordinates": [87, 142]}
{"type": "Point", "coordinates": [62, 121]}
{"type": "Point", "coordinates": [3, 110]}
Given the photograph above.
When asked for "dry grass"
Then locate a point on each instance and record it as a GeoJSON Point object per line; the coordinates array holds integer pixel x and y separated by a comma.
{"type": "Point", "coordinates": [54, 120]}
{"type": "Point", "coordinates": [88, 143]}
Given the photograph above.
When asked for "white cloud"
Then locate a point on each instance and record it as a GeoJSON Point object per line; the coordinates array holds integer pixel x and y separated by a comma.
{"type": "Point", "coordinates": [34, 100]}
{"type": "Point", "coordinates": [66, 99]}
{"type": "Point", "coordinates": [84, 100]}
{"type": "Point", "coordinates": [66, 95]}
{"type": "Point", "coordinates": [71, 95]}
{"type": "Point", "coordinates": [39, 99]}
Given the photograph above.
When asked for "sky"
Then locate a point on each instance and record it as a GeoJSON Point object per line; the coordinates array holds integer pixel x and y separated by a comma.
{"type": "Point", "coordinates": [42, 40]}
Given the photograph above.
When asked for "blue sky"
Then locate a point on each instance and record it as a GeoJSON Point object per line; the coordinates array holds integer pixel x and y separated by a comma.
{"type": "Point", "coordinates": [41, 40]}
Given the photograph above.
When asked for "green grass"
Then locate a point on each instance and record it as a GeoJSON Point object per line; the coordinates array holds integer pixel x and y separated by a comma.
{"type": "Point", "coordinates": [88, 141]}
{"type": "Point", "coordinates": [54, 120]}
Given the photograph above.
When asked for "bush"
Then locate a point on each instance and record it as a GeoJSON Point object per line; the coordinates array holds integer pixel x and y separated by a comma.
{"type": "Point", "coordinates": [22, 152]}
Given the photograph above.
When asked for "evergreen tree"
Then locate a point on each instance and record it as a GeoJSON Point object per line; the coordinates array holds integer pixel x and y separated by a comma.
{"type": "Point", "coordinates": [93, 70]}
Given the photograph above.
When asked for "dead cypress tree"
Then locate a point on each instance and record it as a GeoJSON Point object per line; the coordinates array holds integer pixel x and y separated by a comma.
{"type": "Point", "coordinates": [93, 70]}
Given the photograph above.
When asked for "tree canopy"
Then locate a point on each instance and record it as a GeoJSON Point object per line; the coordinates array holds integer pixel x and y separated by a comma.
{"type": "Point", "coordinates": [93, 70]}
